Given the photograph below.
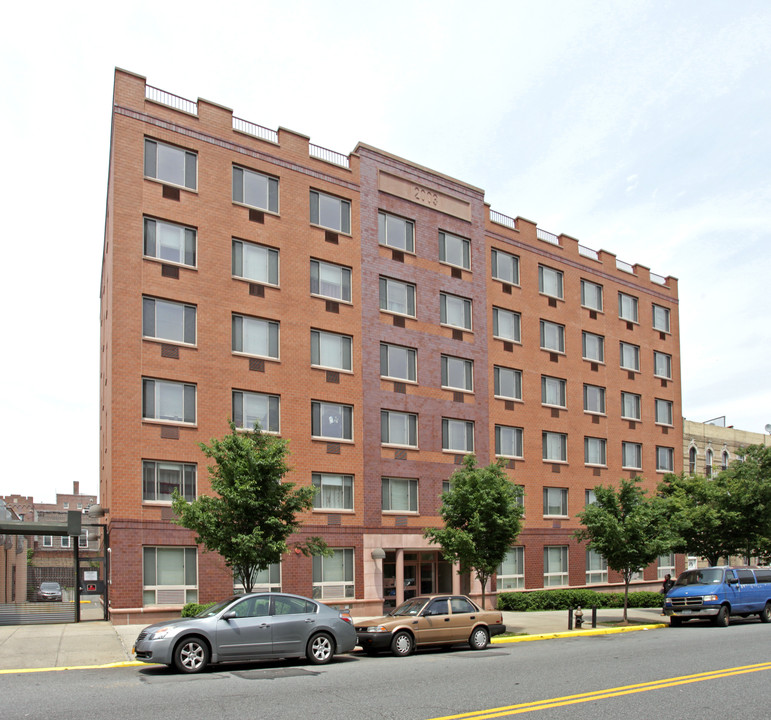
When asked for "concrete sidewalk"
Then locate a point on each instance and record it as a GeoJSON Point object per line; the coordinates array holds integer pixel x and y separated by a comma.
{"type": "Point", "coordinates": [98, 643]}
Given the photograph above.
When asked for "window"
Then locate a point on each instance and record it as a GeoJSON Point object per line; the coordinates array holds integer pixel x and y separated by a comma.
{"type": "Point", "coordinates": [255, 189]}
{"type": "Point", "coordinates": [631, 455]}
{"type": "Point", "coordinates": [167, 320]}
{"type": "Point", "coordinates": [505, 267]}
{"type": "Point", "coordinates": [169, 242]}
{"type": "Point", "coordinates": [630, 356]}
{"type": "Point", "coordinates": [333, 576]}
{"type": "Point", "coordinates": [66, 505]}
{"type": "Point", "coordinates": [166, 400]}
{"type": "Point", "coordinates": [334, 492]}
{"type": "Point", "coordinates": [508, 383]}
{"type": "Point", "coordinates": [692, 460]}
{"type": "Point", "coordinates": [65, 541]}
{"type": "Point", "coordinates": [552, 336]}
{"type": "Point", "coordinates": [662, 365]}
{"type": "Point", "coordinates": [594, 399]}
{"type": "Point", "coordinates": [398, 362]}
{"type": "Point", "coordinates": [455, 311]}
{"type": "Point", "coordinates": [589, 497]}
{"type": "Point", "coordinates": [666, 565]}
{"type": "Point", "coordinates": [506, 325]}
{"type": "Point", "coordinates": [595, 451]}
{"type": "Point", "coordinates": [399, 494]}
{"type": "Point", "coordinates": [330, 212]}
{"type": "Point", "coordinates": [397, 297]}
{"type": "Point", "coordinates": [330, 350]}
{"type": "Point", "coordinates": [170, 576]}
{"type": "Point", "coordinates": [661, 318]}
{"type": "Point", "coordinates": [48, 540]}
{"type": "Point", "coordinates": [596, 568]}
{"type": "Point", "coordinates": [593, 347]}
{"type": "Point", "coordinates": [457, 435]}
{"type": "Point", "coordinates": [550, 282]}
{"type": "Point", "coordinates": [665, 459]}
{"type": "Point", "coordinates": [457, 373]}
{"type": "Point", "coordinates": [255, 262]}
{"type": "Point", "coordinates": [255, 336]}
{"type": "Point", "coordinates": [555, 447]}
{"type": "Point", "coordinates": [627, 307]}
{"type": "Point", "coordinates": [455, 250]}
{"type": "Point", "coordinates": [555, 565]}
{"type": "Point", "coordinates": [83, 540]}
{"type": "Point", "coordinates": [396, 232]}
{"type": "Point", "coordinates": [591, 295]}
{"type": "Point", "coordinates": [663, 412]}
{"type": "Point", "coordinates": [724, 465]}
{"type": "Point", "coordinates": [330, 281]}
{"type": "Point", "coordinates": [555, 501]}
{"type": "Point", "coordinates": [553, 391]}
{"type": "Point", "coordinates": [508, 441]}
{"type": "Point", "coordinates": [268, 580]}
{"type": "Point", "coordinates": [511, 572]}
{"type": "Point", "coordinates": [630, 406]}
{"type": "Point", "coordinates": [161, 479]}
{"type": "Point", "coordinates": [398, 428]}
{"type": "Point", "coordinates": [170, 164]}
{"type": "Point", "coordinates": [250, 408]}
{"type": "Point", "coordinates": [708, 456]}
{"type": "Point", "coordinates": [331, 420]}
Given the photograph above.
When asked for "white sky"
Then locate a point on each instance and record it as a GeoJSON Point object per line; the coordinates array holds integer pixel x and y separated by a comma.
{"type": "Point", "coordinates": [642, 128]}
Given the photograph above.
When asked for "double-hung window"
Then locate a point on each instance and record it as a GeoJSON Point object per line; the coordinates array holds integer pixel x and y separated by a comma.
{"type": "Point", "coordinates": [508, 383]}
{"type": "Point", "coordinates": [255, 189]}
{"type": "Point", "coordinates": [552, 336]}
{"type": "Point", "coordinates": [511, 572]}
{"type": "Point", "coordinates": [550, 282]}
{"type": "Point", "coordinates": [663, 412]}
{"type": "Point", "coordinates": [455, 250]}
{"type": "Point", "coordinates": [553, 391]}
{"type": "Point", "coordinates": [169, 575]}
{"type": "Point", "coordinates": [169, 242]}
{"type": "Point", "coordinates": [330, 212]}
{"type": "Point", "coordinates": [662, 365]}
{"type": "Point", "coordinates": [331, 350]}
{"type": "Point", "coordinates": [333, 421]}
{"type": "Point", "coordinates": [397, 297]}
{"type": "Point", "coordinates": [170, 164]}
{"type": "Point", "coordinates": [508, 441]}
{"type": "Point", "coordinates": [596, 568]}
{"type": "Point", "coordinates": [629, 356]}
{"type": "Point", "coordinates": [161, 479]}
{"type": "Point", "coordinates": [255, 336]}
{"type": "Point", "coordinates": [627, 307]}
{"type": "Point", "coordinates": [257, 263]}
{"type": "Point", "coordinates": [457, 373]}
{"type": "Point", "coordinates": [593, 347]}
{"type": "Point", "coordinates": [168, 401]}
{"type": "Point", "coordinates": [399, 494]}
{"type": "Point", "coordinates": [594, 399]}
{"type": "Point", "coordinates": [251, 408]}
{"type": "Point", "coordinates": [457, 435]}
{"type": "Point", "coordinates": [507, 325]}
{"type": "Point", "coordinates": [555, 565]}
{"type": "Point", "coordinates": [333, 576]}
{"type": "Point", "coordinates": [396, 232]}
{"type": "Point", "coordinates": [555, 447]}
{"type": "Point", "coordinates": [591, 295]}
{"type": "Point", "coordinates": [665, 459]}
{"type": "Point", "coordinates": [48, 540]}
{"type": "Point", "coordinates": [631, 455]}
{"type": "Point", "coordinates": [555, 501]}
{"type": "Point", "coordinates": [398, 428]}
{"type": "Point", "coordinates": [333, 491]}
{"type": "Point", "coordinates": [167, 320]}
{"type": "Point", "coordinates": [631, 406]}
{"type": "Point", "coordinates": [330, 281]}
{"type": "Point", "coordinates": [65, 541]}
{"type": "Point", "coordinates": [505, 267]}
{"type": "Point", "coordinates": [455, 311]}
{"type": "Point", "coordinates": [397, 362]}
{"type": "Point", "coordinates": [661, 318]}
{"type": "Point", "coordinates": [595, 451]}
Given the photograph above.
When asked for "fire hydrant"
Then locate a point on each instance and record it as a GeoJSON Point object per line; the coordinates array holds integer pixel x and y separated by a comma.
{"type": "Point", "coordinates": [579, 617]}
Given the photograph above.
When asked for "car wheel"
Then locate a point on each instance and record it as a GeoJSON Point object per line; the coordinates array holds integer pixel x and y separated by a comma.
{"type": "Point", "coordinates": [402, 644]}
{"type": "Point", "coordinates": [320, 649]}
{"type": "Point", "coordinates": [675, 621]}
{"type": "Point", "coordinates": [191, 655]}
{"type": "Point", "coordinates": [765, 613]}
{"type": "Point", "coordinates": [478, 639]}
{"type": "Point", "coordinates": [722, 618]}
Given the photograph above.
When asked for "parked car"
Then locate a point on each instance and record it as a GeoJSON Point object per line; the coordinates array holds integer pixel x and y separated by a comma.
{"type": "Point", "coordinates": [49, 592]}
{"type": "Point", "coordinates": [430, 620]}
{"type": "Point", "coordinates": [719, 592]}
{"type": "Point", "coordinates": [255, 626]}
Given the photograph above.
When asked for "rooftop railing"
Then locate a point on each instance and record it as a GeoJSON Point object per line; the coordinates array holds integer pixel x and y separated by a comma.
{"type": "Point", "coordinates": [329, 156]}
{"type": "Point", "coordinates": [174, 101]}
{"type": "Point", "coordinates": [258, 131]}
{"type": "Point", "coordinates": [546, 236]}
{"type": "Point", "coordinates": [502, 219]}
{"type": "Point", "coordinates": [588, 252]}
{"type": "Point", "coordinates": [658, 279]}
{"type": "Point", "coordinates": [624, 266]}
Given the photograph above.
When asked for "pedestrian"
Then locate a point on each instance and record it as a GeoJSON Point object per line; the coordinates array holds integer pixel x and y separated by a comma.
{"type": "Point", "coordinates": [666, 586]}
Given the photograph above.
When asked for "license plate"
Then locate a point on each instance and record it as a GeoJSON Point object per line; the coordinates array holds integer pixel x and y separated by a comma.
{"type": "Point", "coordinates": [686, 612]}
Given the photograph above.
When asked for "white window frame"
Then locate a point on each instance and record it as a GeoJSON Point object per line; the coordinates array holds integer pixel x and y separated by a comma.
{"type": "Point", "coordinates": [514, 562]}
{"type": "Point", "coordinates": [169, 242]}
{"type": "Point", "coordinates": [551, 282]}
{"type": "Point", "coordinates": [667, 406]}
{"type": "Point", "coordinates": [65, 541]}
{"type": "Point", "coordinates": [322, 212]}
{"type": "Point", "coordinates": [455, 311]}
{"type": "Point", "coordinates": [586, 298]}
{"type": "Point", "coordinates": [151, 474]}
{"type": "Point", "coordinates": [665, 565]}
{"type": "Point", "coordinates": [509, 441]}
{"type": "Point", "coordinates": [623, 356]}
{"type": "Point", "coordinates": [156, 153]}
{"type": "Point", "coordinates": [169, 321]}
{"type": "Point", "coordinates": [170, 593]}
{"type": "Point", "coordinates": [628, 307]}
{"type": "Point", "coordinates": [595, 353]}
{"type": "Point", "coordinates": [601, 397]}
{"type": "Point", "coordinates": [548, 440]}
{"type": "Point", "coordinates": [326, 345]}
{"type": "Point", "coordinates": [161, 390]}
{"type": "Point", "coordinates": [555, 570]}
{"type": "Point", "coordinates": [551, 384]}
{"type": "Point", "coordinates": [272, 405]}
{"type": "Point", "coordinates": [388, 485]}
{"type": "Point", "coordinates": [515, 321]}
{"type": "Point", "coordinates": [454, 250]}
{"type": "Point", "coordinates": [269, 334]}
{"type": "Point", "coordinates": [246, 192]}
{"type": "Point", "coordinates": [626, 448]}
{"type": "Point", "coordinates": [448, 436]}
{"type": "Point", "coordinates": [633, 402]}
{"type": "Point", "coordinates": [329, 487]}
{"type": "Point", "coordinates": [516, 379]}
{"type": "Point", "coordinates": [510, 260]}
{"type": "Point", "coordinates": [450, 366]}
{"type": "Point", "coordinates": [665, 459]}
{"type": "Point", "coordinates": [396, 232]}
{"type": "Point", "coordinates": [591, 446]}
{"type": "Point", "coordinates": [656, 364]}
{"type": "Point", "coordinates": [254, 262]}
{"type": "Point", "coordinates": [596, 568]}
{"type": "Point", "coordinates": [411, 358]}
{"type": "Point", "coordinates": [388, 289]}
{"type": "Point", "coordinates": [83, 540]}
{"type": "Point", "coordinates": [345, 420]}
{"type": "Point", "coordinates": [555, 498]}
{"type": "Point", "coordinates": [393, 424]}
{"type": "Point", "coordinates": [590, 497]}
{"type": "Point", "coordinates": [48, 540]}
{"type": "Point", "coordinates": [323, 284]}
{"type": "Point", "coordinates": [547, 325]}
{"type": "Point", "coordinates": [661, 317]}
{"type": "Point", "coordinates": [339, 588]}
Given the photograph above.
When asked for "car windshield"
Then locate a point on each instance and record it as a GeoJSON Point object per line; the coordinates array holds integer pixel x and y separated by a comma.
{"type": "Point", "coordinates": [217, 607]}
{"type": "Point", "coordinates": [409, 607]}
{"type": "Point", "coordinates": [706, 576]}
{"type": "Point", "coordinates": [49, 586]}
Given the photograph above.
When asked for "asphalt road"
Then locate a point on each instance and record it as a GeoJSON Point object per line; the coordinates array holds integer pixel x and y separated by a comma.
{"type": "Point", "coordinates": [694, 672]}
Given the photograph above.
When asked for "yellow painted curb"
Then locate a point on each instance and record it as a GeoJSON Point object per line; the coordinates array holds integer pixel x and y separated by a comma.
{"type": "Point", "coordinates": [576, 633]}
{"type": "Point", "coordinates": [128, 663]}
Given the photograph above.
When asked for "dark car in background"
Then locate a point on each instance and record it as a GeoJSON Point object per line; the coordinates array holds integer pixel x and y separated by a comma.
{"type": "Point", "coordinates": [49, 592]}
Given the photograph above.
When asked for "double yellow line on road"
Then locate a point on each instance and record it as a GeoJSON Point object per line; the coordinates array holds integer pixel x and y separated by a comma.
{"type": "Point", "coordinates": [605, 694]}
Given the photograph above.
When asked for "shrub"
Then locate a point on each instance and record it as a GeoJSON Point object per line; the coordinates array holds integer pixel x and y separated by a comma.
{"type": "Point", "coordinates": [192, 609]}
{"type": "Point", "coordinates": [567, 598]}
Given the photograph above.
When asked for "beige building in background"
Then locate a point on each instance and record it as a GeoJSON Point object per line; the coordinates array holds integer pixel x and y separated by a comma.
{"type": "Point", "coordinates": [708, 448]}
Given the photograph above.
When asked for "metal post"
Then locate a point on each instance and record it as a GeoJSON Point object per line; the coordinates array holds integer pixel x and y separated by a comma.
{"type": "Point", "coordinates": [594, 616]}
{"type": "Point", "coordinates": [570, 618]}
{"type": "Point", "coordinates": [76, 541]}
{"type": "Point", "coordinates": [106, 572]}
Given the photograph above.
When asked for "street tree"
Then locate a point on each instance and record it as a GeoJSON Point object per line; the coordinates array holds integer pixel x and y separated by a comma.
{"type": "Point", "coordinates": [254, 511]}
{"type": "Point", "coordinates": [482, 516]}
{"type": "Point", "coordinates": [628, 528]}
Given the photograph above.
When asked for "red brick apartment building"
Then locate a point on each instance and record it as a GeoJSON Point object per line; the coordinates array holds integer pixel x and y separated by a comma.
{"type": "Point", "coordinates": [385, 320]}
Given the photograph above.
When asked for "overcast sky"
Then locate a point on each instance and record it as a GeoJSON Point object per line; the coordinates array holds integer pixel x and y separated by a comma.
{"type": "Point", "coordinates": [641, 128]}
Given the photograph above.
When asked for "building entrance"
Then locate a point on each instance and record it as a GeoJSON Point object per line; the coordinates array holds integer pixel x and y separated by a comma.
{"type": "Point", "coordinates": [422, 573]}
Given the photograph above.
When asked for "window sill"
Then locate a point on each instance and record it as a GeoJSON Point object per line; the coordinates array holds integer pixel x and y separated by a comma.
{"type": "Point", "coordinates": [332, 369]}
{"type": "Point", "coordinates": [631, 419]}
{"type": "Point", "coordinates": [596, 362]}
{"type": "Point", "coordinates": [173, 423]}
{"type": "Point", "coordinates": [509, 399]}
{"type": "Point", "coordinates": [587, 307]}
{"type": "Point", "coordinates": [556, 517]}
{"type": "Point", "coordinates": [398, 249]}
{"type": "Point", "coordinates": [455, 267]}
{"type": "Point", "coordinates": [333, 299]}
{"type": "Point", "coordinates": [628, 369]}
{"type": "Point", "coordinates": [507, 282]}
{"type": "Point", "coordinates": [508, 340]}
{"type": "Point", "coordinates": [555, 462]}
{"type": "Point", "coordinates": [336, 511]}
{"type": "Point", "coordinates": [459, 328]}
{"type": "Point", "coordinates": [633, 469]}
{"type": "Point", "coordinates": [170, 262]}
{"type": "Point", "coordinates": [551, 297]}
{"type": "Point", "coordinates": [555, 407]}
{"type": "Point", "coordinates": [388, 378]}
{"type": "Point", "coordinates": [255, 207]}
{"type": "Point", "coordinates": [595, 414]}
{"type": "Point", "coordinates": [396, 446]}
{"type": "Point", "coordinates": [158, 181]}
{"type": "Point", "coordinates": [399, 512]}
{"type": "Point", "coordinates": [255, 281]}
{"type": "Point", "coordinates": [162, 341]}
{"type": "Point", "coordinates": [330, 229]}
{"type": "Point", "coordinates": [258, 357]}
{"type": "Point", "coordinates": [457, 452]}
{"type": "Point", "coordinates": [322, 438]}
{"type": "Point", "coordinates": [448, 388]}
{"type": "Point", "coordinates": [510, 457]}
{"type": "Point", "coordinates": [551, 350]}
{"type": "Point", "coordinates": [596, 465]}
{"type": "Point", "coordinates": [398, 314]}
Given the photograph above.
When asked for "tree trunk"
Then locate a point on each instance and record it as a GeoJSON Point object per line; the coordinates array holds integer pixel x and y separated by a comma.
{"type": "Point", "coordinates": [627, 578]}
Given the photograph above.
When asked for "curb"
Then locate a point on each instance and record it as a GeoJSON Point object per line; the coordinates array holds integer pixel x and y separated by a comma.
{"type": "Point", "coordinates": [576, 633]}
{"type": "Point", "coordinates": [133, 663]}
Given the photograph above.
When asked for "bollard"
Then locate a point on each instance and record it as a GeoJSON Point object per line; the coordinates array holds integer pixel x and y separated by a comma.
{"type": "Point", "coordinates": [594, 616]}
{"type": "Point", "coordinates": [570, 618]}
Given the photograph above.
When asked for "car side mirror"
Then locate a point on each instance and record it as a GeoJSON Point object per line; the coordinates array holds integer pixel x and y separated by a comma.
{"type": "Point", "coordinates": [733, 581]}
{"type": "Point", "coordinates": [229, 615]}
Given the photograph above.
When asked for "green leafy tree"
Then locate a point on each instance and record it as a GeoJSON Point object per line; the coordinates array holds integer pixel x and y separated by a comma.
{"type": "Point", "coordinates": [482, 516]}
{"type": "Point", "coordinates": [254, 511]}
{"type": "Point", "coordinates": [628, 528]}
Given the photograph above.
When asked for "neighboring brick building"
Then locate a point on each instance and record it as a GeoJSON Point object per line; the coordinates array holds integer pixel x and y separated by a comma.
{"type": "Point", "coordinates": [384, 319]}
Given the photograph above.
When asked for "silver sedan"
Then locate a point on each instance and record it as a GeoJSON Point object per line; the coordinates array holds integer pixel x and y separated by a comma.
{"type": "Point", "coordinates": [256, 626]}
